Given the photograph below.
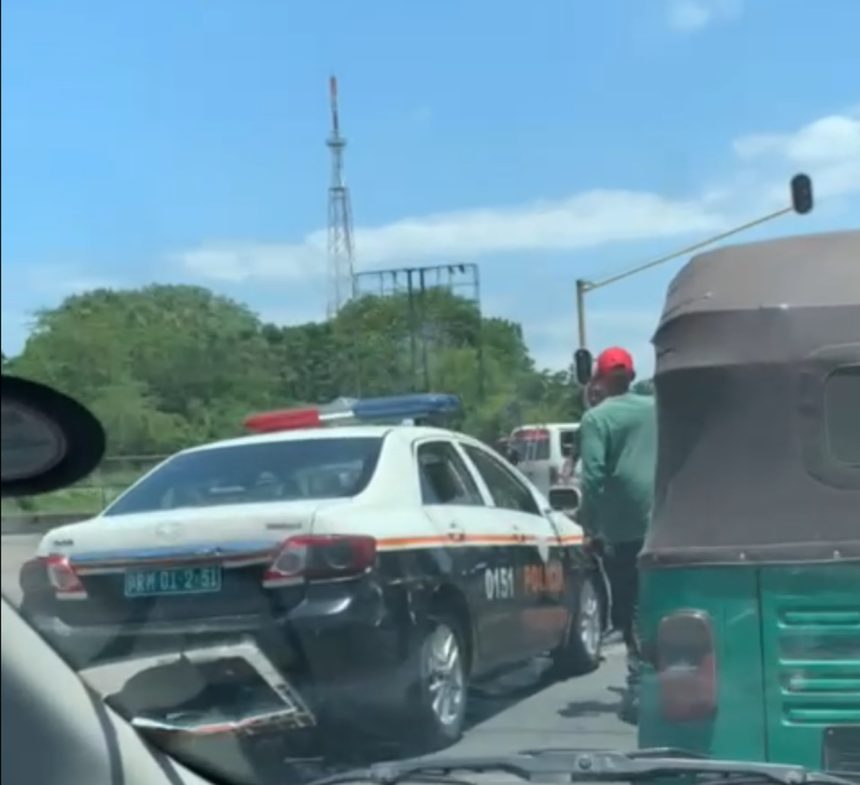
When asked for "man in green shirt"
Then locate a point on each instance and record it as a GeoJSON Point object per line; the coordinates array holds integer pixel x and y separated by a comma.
{"type": "Point", "coordinates": [619, 457]}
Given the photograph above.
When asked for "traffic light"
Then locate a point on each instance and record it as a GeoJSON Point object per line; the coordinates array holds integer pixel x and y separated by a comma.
{"type": "Point", "coordinates": [801, 194]}
{"type": "Point", "coordinates": [583, 362]}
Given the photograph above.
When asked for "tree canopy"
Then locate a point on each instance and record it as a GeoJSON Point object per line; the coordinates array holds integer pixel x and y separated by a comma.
{"type": "Point", "coordinates": [168, 366]}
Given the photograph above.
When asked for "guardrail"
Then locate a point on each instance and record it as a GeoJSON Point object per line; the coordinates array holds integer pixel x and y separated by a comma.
{"type": "Point", "coordinates": [37, 523]}
{"type": "Point", "coordinates": [38, 514]}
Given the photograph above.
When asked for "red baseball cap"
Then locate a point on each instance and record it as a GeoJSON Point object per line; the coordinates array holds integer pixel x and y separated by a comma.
{"type": "Point", "coordinates": [614, 359]}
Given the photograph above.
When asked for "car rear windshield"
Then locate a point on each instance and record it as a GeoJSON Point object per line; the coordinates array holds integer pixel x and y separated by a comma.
{"type": "Point", "coordinates": [256, 473]}
{"type": "Point", "coordinates": [531, 444]}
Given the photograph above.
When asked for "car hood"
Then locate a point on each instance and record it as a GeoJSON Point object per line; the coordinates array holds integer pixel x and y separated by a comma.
{"type": "Point", "coordinates": [245, 527]}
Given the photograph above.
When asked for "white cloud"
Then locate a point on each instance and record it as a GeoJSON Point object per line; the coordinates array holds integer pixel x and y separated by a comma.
{"type": "Point", "coordinates": [691, 15]}
{"type": "Point", "coordinates": [583, 220]}
{"type": "Point", "coordinates": [244, 260]}
{"type": "Point", "coordinates": [826, 140]}
{"type": "Point", "coordinates": [828, 149]}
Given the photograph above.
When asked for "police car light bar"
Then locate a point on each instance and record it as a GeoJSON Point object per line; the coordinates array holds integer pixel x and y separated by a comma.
{"type": "Point", "coordinates": [391, 408]}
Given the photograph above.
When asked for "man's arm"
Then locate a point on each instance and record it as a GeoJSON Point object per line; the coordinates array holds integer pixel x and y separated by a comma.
{"type": "Point", "coordinates": [593, 453]}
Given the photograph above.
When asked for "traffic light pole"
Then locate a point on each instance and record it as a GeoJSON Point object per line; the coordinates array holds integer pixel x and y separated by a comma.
{"type": "Point", "coordinates": [801, 202]}
{"type": "Point", "coordinates": [581, 289]}
{"type": "Point", "coordinates": [584, 286]}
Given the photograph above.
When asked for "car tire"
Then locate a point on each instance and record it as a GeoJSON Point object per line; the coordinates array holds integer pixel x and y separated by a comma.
{"type": "Point", "coordinates": [581, 650]}
{"type": "Point", "coordinates": [436, 711]}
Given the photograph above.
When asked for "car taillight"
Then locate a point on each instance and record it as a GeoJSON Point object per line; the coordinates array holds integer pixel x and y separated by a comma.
{"type": "Point", "coordinates": [63, 578]}
{"type": "Point", "coordinates": [686, 667]}
{"type": "Point", "coordinates": [320, 557]}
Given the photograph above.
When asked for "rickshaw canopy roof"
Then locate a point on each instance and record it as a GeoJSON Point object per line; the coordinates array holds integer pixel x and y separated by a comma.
{"type": "Point", "coordinates": [758, 399]}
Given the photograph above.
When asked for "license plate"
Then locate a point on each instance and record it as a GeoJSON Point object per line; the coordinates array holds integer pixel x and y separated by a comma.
{"type": "Point", "coordinates": [182, 580]}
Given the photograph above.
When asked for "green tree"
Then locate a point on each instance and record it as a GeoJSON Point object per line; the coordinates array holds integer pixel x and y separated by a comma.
{"type": "Point", "coordinates": [158, 364]}
{"type": "Point", "coordinates": [168, 366]}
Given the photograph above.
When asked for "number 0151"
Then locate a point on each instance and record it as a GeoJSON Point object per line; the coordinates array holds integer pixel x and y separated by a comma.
{"type": "Point", "coordinates": [499, 583]}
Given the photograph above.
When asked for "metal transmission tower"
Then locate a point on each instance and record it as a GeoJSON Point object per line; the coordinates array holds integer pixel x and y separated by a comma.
{"type": "Point", "coordinates": [340, 246]}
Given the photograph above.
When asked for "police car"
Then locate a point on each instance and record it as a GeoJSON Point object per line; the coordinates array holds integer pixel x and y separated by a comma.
{"type": "Point", "coordinates": [382, 567]}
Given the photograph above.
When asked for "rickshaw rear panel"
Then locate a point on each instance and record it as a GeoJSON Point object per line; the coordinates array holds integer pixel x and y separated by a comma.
{"type": "Point", "coordinates": [750, 606]}
{"type": "Point", "coordinates": [787, 652]}
{"type": "Point", "coordinates": [811, 659]}
{"type": "Point", "coordinates": [727, 596]}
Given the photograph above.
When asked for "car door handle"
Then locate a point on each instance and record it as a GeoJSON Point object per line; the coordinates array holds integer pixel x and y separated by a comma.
{"type": "Point", "coordinates": [455, 532]}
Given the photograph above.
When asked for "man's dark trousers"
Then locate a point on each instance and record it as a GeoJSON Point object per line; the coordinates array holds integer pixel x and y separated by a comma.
{"type": "Point", "coordinates": [623, 573]}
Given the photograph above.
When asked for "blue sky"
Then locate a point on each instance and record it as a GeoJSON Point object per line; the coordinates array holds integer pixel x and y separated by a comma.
{"type": "Point", "coordinates": [547, 140]}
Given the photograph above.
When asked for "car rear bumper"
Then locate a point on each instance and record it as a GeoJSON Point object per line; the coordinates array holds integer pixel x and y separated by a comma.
{"type": "Point", "coordinates": [343, 640]}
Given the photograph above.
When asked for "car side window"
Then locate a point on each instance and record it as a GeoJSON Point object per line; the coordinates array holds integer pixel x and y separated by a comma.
{"type": "Point", "coordinates": [444, 477]}
{"type": "Point", "coordinates": [507, 491]}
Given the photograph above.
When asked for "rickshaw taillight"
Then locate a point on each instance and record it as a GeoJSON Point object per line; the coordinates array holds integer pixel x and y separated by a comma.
{"type": "Point", "coordinates": [687, 666]}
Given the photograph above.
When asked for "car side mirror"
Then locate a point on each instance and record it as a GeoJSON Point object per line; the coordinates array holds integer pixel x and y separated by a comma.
{"type": "Point", "coordinates": [583, 363]}
{"type": "Point", "coordinates": [564, 499]}
{"type": "Point", "coordinates": [49, 440]}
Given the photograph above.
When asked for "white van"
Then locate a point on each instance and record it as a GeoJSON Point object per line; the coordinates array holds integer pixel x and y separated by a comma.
{"type": "Point", "coordinates": [546, 453]}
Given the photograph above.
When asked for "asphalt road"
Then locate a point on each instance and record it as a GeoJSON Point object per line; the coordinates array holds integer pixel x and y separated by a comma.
{"type": "Point", "coordinates": [520, 710]}
{"type": "Point", "coordinates": [16, 549]}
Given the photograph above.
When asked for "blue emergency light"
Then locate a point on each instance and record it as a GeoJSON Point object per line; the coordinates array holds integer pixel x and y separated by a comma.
{"type": "Point", "coordinates": [393, 408]}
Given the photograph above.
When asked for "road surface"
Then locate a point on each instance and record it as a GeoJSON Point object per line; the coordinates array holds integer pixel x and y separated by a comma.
{"type": "Point", "coordinates": [521, 710]}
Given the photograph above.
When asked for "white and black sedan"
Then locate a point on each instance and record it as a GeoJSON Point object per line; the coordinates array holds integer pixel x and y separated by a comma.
{"type": "Point", "coordinates": [380, 568]}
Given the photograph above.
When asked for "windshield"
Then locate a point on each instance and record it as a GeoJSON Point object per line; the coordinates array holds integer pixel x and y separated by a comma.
{"type": "Point", "coordinates": [253, 473]}
{"type": "Point", "coordinates": [430, 425]}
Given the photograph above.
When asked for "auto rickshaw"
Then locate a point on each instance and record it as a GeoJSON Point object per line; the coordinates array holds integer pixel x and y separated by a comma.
{"type": "Point", "coordinates": [750, 574]}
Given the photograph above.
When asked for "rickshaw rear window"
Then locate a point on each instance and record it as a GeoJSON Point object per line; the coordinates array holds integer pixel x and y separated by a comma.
{"type": "Point", "coordinates": [842, 414]}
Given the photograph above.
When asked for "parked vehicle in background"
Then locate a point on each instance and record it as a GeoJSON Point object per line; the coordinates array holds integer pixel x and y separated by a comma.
{"type": "Point", "coordinates": [360, 571]}
{"type": "Point", "coordinates": [544, 450]}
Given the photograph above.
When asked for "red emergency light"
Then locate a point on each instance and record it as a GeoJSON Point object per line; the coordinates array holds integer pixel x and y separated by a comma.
{"type": "Point", "coordinates": [395, 407]}
{"type": "Point", "coordinates": [283, 420]}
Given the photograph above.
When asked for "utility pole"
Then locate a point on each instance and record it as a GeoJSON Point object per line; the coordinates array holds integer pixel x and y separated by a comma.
{"type": "Point", "coordinates": [340, 242]}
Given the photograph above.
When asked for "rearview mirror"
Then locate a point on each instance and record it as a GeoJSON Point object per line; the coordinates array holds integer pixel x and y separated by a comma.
{"type": "Point", "coordinates": [564, 499]}
{"type": "Point", "coordinates": [583, 363]}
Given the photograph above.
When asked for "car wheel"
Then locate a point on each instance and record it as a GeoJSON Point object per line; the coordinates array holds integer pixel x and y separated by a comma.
{"type": "Point", "coordinates": [580, 652]}
{"type": "Point", "coordinates": [440, 686]}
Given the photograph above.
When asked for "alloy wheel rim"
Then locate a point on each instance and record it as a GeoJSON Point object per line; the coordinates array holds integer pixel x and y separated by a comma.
{"type": "Point", "coordinates": [443, 665]}
{"type": "Point", "coordinates": [589, 619]}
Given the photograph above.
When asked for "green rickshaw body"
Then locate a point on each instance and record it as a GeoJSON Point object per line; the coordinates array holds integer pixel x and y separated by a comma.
{"type": "Point", "coordinates": [750, 575]}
